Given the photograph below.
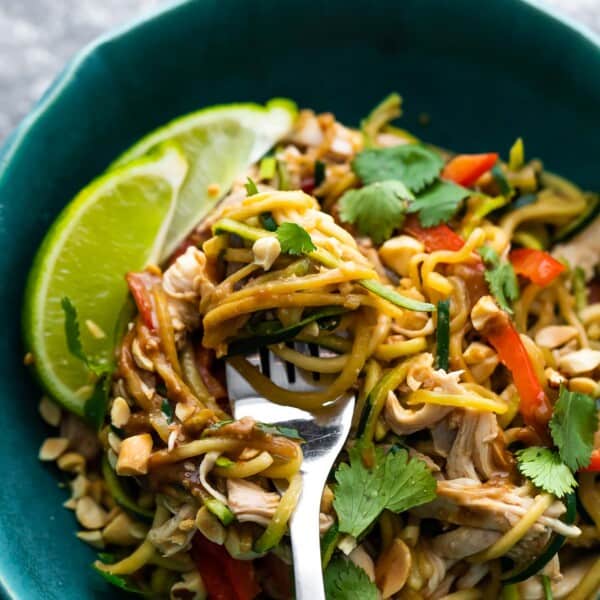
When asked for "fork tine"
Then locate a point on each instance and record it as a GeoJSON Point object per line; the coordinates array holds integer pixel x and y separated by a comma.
{"type": "Point", "coordinates": [279, 373]}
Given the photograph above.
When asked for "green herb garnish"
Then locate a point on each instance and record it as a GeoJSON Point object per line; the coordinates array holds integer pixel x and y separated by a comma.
{"type": "Point", "coordinates": [438, 203]}
{"type": "Point", "coordinates": [501, 278]}
{"type": "Point", "coordinates": [250, 186]}
{"type": "Point", "coordinates": [546, 470]}
{"type": "Point", "coordinates": [394, 483]}
{"type": "Point", "coordinates": [345, 581]}
{"type": "Point", "coordinates": [413, 164]}
{"type": "Point", "coordinates": [573, 425]}
{"type": "Point", "coordinates": [294, 239]}
{"type": "Point", "coordinates": [377, 209]}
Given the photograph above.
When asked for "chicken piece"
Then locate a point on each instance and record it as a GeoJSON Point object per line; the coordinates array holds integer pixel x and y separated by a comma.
{"type": "Point", "coordinates": [421, 375]}
{"type": "Point", "coordinates": [185, 282]}
{"type": "Point", "coordinates": [473, 452]}
{"type": "Point", "coordinates": [250, 502]}
{"type": "Point", "coordinates": [443, 435]}
{"type": "Point", "coordinates": [583, 250]}
{"type": "Point", "coordinates": [463, 541]}
{"type": "Point", "coordinates": [175, 534]}
{"type": "Point", "coordinates": [473, 576]}
{"type": "Point", "coordinates": [490, 506]}
{"type": "Point", "coordinates": [307, 130]}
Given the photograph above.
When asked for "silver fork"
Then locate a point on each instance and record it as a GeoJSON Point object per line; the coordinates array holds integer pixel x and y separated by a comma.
{"type": "Point", "coordinates": [324, 433]}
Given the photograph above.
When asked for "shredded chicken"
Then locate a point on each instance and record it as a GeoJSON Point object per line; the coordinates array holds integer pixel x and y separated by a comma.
{"type": "Point", "coordinates": [174, 535]}
{"type": "Point", "coordinates": [583, 250]}
{"type": "Point", "coordinates": [489, 506]}
{"type": "Point", "coordinates": [472, 454]}
{"type": "Point", "coordinates": [464, 541]}
{"type": "Point", "coordinates": [250, 502]}
{"type": "Point", "coordinates": [184, 283]}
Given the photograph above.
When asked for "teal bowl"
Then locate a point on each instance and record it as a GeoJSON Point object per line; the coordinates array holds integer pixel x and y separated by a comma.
{"type": "Point", "coordinates": [484, 72]}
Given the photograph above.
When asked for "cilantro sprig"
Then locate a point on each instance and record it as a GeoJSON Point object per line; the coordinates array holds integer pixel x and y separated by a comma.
{"type": "Point", "coordinates": [294, 240]}
{"type": "Point", "coordinates": [546, 470]}
{"type": "Point", "coordinates": [345, 581]}
{"type": "Point", "coordinates": [73, 336]}
{"type": "Point", "coordinates": [398, 180]}
{"type": "Point", "coordinates": [376, 209]}
{"type": "Point", "coordinates": [438, 203]}
{"type": "Point", "coordinates": [573, 425]}
{"type": "Point", "coordinates": [394, 482]}
{"type": "Point", "coordinates": [96, 405]}
{"type": "Point", "coordinates": [501, 278]}
{"type": "Point", "coordinates": [413, 164]}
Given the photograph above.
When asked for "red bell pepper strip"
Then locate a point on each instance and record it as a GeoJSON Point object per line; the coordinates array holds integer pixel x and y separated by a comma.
{"type": "Point", "coordinates": [594, 466]}
{"type": "Point", "coordinates": [536, 265]}
{"type": "Point", "coordinates": [440, 237]}
{"type": "Point", "coordinates": [466, 169]}
{"type": "Point", "coordinates": [534, 405]}
{"type": "Point", "coordinates": [225, 577]}
{"type": "Point", "coordinates": [140, 286]}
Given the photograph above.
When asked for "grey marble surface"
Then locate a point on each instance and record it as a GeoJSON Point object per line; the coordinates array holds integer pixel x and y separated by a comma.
{"type": "Point", "coordinates": [37, 37]}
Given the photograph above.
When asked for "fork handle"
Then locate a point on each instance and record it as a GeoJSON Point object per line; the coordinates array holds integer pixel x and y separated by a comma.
{"type": "Point", "coordinates": [306, 540]}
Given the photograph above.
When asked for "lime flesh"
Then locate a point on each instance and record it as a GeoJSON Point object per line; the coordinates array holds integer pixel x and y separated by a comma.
{"type": "Point", "coordinates": [116, 224]}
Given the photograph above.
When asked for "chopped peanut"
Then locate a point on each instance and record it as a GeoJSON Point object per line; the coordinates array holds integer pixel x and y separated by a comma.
{"type": "Point", "coordinates": [52, 448]}
{"type": "Point", "coordinates": [134, 454]}
{"type": "Point", "coordinates": [120, 412]}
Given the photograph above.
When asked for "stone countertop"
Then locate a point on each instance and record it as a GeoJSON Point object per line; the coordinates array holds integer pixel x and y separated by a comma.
{"type": "Point", "coordinates": [37, 37]}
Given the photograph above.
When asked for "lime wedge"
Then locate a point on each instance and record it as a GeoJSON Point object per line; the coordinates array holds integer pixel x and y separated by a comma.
{"type": "Point", "coordinates": [116, 224]}
{"type": "Point", "coordinates": [219, 143]}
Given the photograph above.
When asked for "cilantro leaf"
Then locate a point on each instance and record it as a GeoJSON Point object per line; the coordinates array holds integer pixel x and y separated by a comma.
{"type": "Point", "coordinates": [250, 186]}
{"type": "Point", "coordinates": [394, 482]}
{"type": "Point", "coordinates": [97, 404]}
{"type": "Point", "coordinates": [345, 581]}
{"type": "Point", "coordinates": [545, 468]}
{"type": "Point", "coordinates": [438, 202]}
{"type": "Point", "coordinates": [573, 425]}
{"type": "Point", "coordinates": [288, 432]}
{"type": "Point", "coordinates": [413, 164]}
{"type": "Point", "coordinates": [294, 239]}
{"type": "Point", "coordinates": [501, 278]}
{"type": "Point", "coordinates": [121, 582]}
{"type": "Point", "coordinates": [376, 209]}
{"type": "Point", "coordinates": [73, 335]}
{"type": "Point", "coordinates": [167, 410]}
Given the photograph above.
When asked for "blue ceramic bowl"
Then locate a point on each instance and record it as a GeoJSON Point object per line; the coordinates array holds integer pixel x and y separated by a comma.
{"type": "Point", "coordinates": [484, 72]}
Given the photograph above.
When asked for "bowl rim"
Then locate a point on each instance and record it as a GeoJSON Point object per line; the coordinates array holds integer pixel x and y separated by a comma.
{"type": "Point", "coordinates": [12, 144]}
